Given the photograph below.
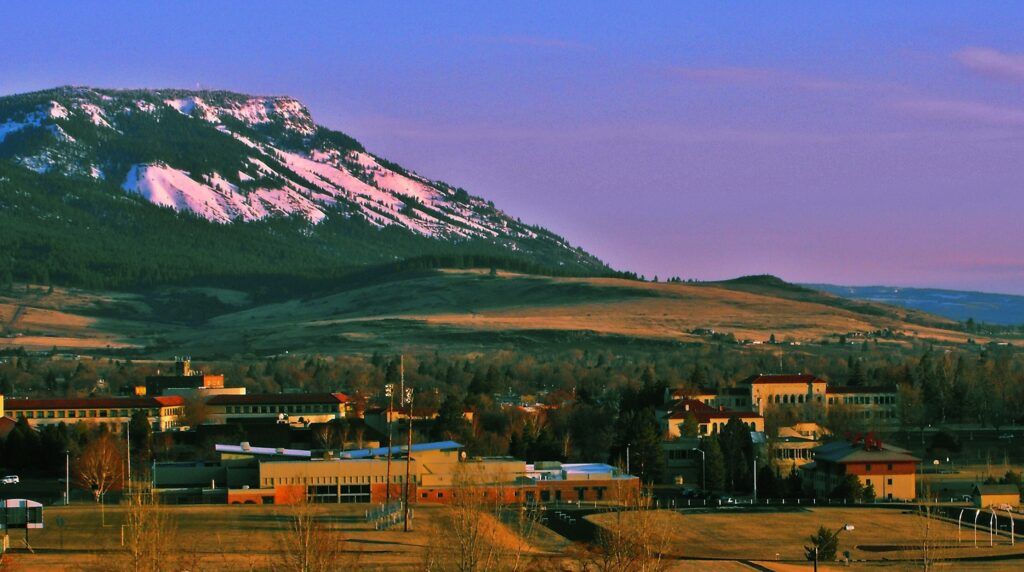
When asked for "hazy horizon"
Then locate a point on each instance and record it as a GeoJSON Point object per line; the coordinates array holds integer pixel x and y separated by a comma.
{"type": "Point", "coordinates": [863, 145]}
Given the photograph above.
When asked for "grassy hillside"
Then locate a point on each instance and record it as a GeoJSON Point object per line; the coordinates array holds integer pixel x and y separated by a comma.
{"type": "Point", "coordinates": [458, 310]}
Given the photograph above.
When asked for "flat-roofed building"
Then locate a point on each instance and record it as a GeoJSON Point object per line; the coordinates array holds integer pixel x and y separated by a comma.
{"type": "Point", "coordinates": [876, 404]}
{"type": "Point", "coordinates": [293, 408]}
{"type": "Point", "coordinates": [890, 470]}
{"type": "Point", "coordinates": [438, 473]}
{"type": "Point", "coordinates": [164, 412]}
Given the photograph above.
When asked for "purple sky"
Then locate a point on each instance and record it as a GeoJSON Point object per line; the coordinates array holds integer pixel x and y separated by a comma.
{"type": "Point", "coordinates": [852, 143]}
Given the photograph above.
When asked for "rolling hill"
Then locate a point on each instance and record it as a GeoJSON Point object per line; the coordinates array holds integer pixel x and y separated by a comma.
{"type": "Point", "coordinates": [457, 310]}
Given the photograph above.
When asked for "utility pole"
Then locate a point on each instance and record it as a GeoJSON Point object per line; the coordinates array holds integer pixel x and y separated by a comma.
{"type": "Point", "coordinates": [408, 455]}
{"type": "Point", "coordinates": [755, 479]}
{"type": "Point", "coordinates": [389, 391]}
{"type": "Point", "coordinates": [67, 477]}
{"type": "Point", "coordinates": [129, 431]}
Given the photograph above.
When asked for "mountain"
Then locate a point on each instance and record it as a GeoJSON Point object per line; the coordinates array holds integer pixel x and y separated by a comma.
{"type": "Point", "coordinates": [1002, 309]}
{"type": "Point", "coordinates": [123, 187]}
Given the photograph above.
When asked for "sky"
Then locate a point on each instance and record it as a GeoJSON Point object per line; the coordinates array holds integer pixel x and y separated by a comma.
{"type": "Point", "coordinates": [844, 142]}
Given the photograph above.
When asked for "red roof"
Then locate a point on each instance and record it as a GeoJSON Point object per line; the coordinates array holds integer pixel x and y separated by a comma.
{"type": "Point", "coordinates": [783, 378]}
{"type": "Point", "coordinates": [95, 402]}
{"type": "Point", "coordinates": [6, 426]}
{"type": "Point", "coordinates": [279, 399]}
{"type": "Point", "coordinates": [704, 413]}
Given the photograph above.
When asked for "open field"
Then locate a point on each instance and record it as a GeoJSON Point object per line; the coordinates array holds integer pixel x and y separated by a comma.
{"type": "Point", "coordinates": [880, 535]}
{"type": "Point", "coordinates": [465, 310]}
{"type": "Point", "coordinates": [238, 537]}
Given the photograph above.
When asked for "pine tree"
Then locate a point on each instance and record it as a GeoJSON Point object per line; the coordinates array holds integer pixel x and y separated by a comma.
{"type": "Point", "coordinates": [714, 472]}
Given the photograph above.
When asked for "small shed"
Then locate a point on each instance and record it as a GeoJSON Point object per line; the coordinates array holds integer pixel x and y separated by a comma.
{"type": "Point", "coordinates": [986, 496]}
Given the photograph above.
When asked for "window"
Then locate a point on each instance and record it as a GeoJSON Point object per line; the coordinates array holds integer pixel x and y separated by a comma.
{"type": "Point", "coordinates": [889, 467]}
{"type": "Point", "coordinates": [867, 467]}
{"type": "Point", "coordinates": [890, 482]}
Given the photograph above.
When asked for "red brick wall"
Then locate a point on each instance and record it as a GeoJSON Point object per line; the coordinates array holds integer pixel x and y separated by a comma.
{"type": "Point", "coordinates": [900, 468]}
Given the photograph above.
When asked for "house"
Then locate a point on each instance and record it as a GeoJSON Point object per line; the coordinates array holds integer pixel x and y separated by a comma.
{"type": "Point", "coordinates": [998, 496]}
{"type": "Point", "coordinates": [794, 445]}
{"type": "Point", "coordinates": [890, 470]}
{"type": "Point", "coordinates": [710, 420]}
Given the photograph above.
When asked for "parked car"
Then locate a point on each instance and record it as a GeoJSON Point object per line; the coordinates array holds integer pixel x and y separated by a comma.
{"type": "Point", "coordinates": [1006, 436]}
{"type": "Point", "coordinates": [727, 500]}
{"type": "Point", "coordinates": [10, 480]}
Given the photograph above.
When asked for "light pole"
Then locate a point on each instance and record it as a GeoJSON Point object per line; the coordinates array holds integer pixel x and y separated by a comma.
{"type": "Point", "coordinates": [627, 458]}
{"type": "Point", "coordinates": [703, 484]}
{"type": "Point", "coordinates": [408, 455]}
{"type": "Point", "coordinates": [67, 477]}
{"type": "Point", "coordinates": [755, 479]}
{"type": "Point", "coordinates": [389, 391]}
{"type": "Point", "coordinates": [845, 527]}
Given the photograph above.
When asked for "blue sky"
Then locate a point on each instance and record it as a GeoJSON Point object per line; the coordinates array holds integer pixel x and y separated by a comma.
{"type": "Point", "coordinates": [856, 143]}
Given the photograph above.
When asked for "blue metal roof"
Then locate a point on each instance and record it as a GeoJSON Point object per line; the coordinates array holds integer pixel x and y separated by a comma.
{"type": "Point", "coordinates": [380, 451]}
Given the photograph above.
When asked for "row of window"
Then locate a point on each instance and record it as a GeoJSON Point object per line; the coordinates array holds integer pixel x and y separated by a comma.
{"type": "Point", "coordinates": [864, 400]}
{"type": "Point", "coordinates": [281, 409]}
{"type": "Point", "coordinates": [90, 413]}
{"type": "Point", "coordinates": [396, 477]}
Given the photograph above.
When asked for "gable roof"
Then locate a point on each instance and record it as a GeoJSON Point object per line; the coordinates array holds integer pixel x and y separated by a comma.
{"type": "Point", "coordinates": [981, 488]}
{"type": "Point", "coordinates": [849, 452]}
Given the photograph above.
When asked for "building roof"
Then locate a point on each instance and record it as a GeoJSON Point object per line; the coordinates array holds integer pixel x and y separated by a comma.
{"type": "Point", "coordinates": [783, 378]}
{"type": "Point", "coordinates": [857, 452]}
{"type": "Point", "coordinates": [246, 449]}
{"type": "Point", "coordinates": [681, 392]}
{"type": "Point", "coordinates": [279, 399]}
{"type": "Point", "coordinates": [704, 413]}
{"type": "Point", "coordinates": [848, 389]}
{"type": "Point", "coordinates": [984, 489]}
{"type": "Point", "coordinates": [95, 402]}
{"type": "Point", "coordinates": [417, 448]}
{"type": "Point", "coordinates": [6, 426]}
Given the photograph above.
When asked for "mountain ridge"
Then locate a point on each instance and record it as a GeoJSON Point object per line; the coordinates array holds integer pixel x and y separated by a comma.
{"type": "Point", "coordinates": [227, 157]}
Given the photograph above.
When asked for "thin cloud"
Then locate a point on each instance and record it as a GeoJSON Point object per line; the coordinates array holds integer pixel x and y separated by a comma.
{"type": "Point", "coordinates": [970, 111]}
{"type": "Point", "coordinates": [993, 63]}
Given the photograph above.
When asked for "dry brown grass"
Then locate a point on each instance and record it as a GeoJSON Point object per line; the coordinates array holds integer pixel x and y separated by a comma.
{"type": "Point", "coordinates": [233, 537]}
{"type": "Point", "coordinates": [762, 536]}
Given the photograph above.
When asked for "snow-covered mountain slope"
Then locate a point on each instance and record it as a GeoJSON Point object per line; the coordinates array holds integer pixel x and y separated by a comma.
{"type": "Point", "coordinates": [228, 157]}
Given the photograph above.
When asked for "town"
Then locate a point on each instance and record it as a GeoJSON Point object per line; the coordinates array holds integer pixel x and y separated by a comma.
{"type": "Point", "coordinates": [185, 438]}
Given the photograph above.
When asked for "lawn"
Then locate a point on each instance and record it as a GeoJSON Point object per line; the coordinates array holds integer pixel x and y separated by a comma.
{"type": "Point", "coordinates": [880, 534]}
{"type": "Point", "coordinates": [235, 537]}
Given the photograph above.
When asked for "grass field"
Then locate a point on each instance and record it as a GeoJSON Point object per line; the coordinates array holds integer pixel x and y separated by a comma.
{"type": "Point", "coordinates": [234, 537]}
{"type": "Point", "coordinates": [880, 536]}
{"type": "Point", "coordinates": [466, 310]}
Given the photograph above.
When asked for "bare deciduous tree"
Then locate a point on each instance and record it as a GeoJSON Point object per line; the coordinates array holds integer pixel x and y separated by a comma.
{"type": "Point", "coordinates": [149, 535]}
{"type": "Point", "coordinates": [631, 540]}
{"type": "Point", "coordinates": [100, 467]}
{"type": "Point", "coordinates": [309, 544]}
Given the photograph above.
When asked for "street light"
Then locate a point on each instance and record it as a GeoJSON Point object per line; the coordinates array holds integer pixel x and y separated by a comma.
{"type": "Point", "coordinates": [67, 477]}
{"type": "Point", "coordinates": [389, 391]}
{"type": "Point", "coordinates": [845, 528]}
{"type": "Point", "coordinates": [703, 484]}
{"type": "Point", "coordinates": [408, 454]}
